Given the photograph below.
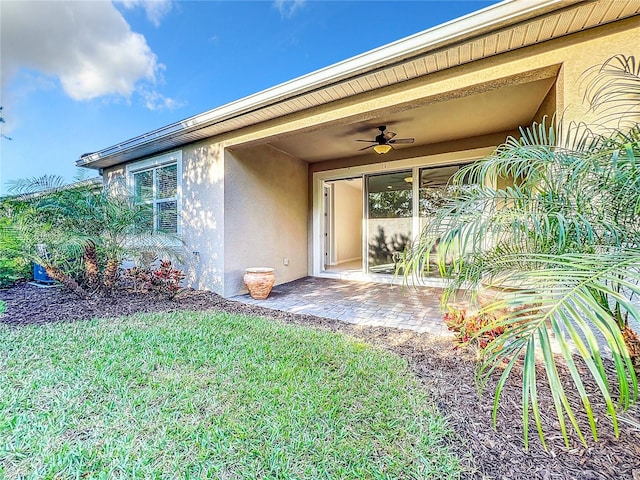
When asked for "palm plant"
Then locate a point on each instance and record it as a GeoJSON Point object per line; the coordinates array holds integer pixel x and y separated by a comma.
{"type": "Point", "coordinates": [101, 226]}
{"type": "Point", "coordinates": [562, 242]}
{"type": "Point", "coordinates": [119, 229]}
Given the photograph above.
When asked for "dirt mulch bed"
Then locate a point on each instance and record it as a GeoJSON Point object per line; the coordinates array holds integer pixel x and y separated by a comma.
{"type": "Point", "coordinates": [448, 374]}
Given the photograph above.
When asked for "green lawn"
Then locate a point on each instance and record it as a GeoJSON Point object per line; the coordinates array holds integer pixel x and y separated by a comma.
{"type": "Point", "coordinates": [202, 395]}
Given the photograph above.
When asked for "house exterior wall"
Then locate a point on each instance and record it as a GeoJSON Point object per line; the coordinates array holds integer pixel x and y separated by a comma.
{"type": "Point", "coordinates": [203, 215]}
{"type": "Point", "coordinates": [246, 204]}
{"type": "Point", "coordinates": [114, 174]}
{"type": "Point", "coordinates": [265, 215]}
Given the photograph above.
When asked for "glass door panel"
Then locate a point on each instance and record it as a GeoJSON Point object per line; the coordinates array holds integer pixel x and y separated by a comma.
{"type": "Point", "coordinates": [389, 219]}
{"type": "Point", "coordinates": [434, 191]}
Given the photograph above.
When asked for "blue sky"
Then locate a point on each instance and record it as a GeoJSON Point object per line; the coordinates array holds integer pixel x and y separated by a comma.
{"type": "Point", "coordinates": [81, 76]}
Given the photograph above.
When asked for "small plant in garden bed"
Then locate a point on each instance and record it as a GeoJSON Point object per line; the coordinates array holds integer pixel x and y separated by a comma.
{"type": "Point", "coordinates": [472, 329]}
{"type": "Point", "coordinates": [165, 279]}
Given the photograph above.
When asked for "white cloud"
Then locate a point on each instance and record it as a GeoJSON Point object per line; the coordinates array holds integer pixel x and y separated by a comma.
{"type": "Point", "coordinates": [288, 8]}
{"type": "Point", "coordinates": [156, 10]}
{"type": "Point", "coordinates": [88, 46]}
{"type": "Point", "coordinates": [156, 101]}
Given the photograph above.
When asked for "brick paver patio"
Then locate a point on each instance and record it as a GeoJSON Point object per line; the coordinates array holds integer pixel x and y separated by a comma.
{"type": "Point", "coordinates": [375, 304]}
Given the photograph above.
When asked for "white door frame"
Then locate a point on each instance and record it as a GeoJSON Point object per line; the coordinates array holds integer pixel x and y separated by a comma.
{"type": "Point", "coordinates": [329, 250]}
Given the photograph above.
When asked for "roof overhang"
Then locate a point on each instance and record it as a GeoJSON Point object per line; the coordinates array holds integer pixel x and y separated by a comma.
{"type": "Point", "coordinates": [497, 29]}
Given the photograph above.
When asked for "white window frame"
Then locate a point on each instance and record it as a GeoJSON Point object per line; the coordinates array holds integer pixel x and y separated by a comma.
{"type": "Point", "coordinates": [171, 158]}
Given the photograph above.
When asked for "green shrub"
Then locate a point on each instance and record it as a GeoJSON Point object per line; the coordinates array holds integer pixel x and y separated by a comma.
{"type": "Point", "coordinates": [12, 267]}
{"type": "Point", "coordinates": [13, 270]}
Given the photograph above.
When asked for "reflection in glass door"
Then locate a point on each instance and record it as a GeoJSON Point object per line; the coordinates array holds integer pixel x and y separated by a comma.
{"type": "Point", "coordinates": [389, 219]}
{"type": "Point", "coordinates": [434, 191]}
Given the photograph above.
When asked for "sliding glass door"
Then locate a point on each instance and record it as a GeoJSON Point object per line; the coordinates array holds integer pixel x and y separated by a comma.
{"type": "Point", "coordinates": [389, 219]}
{"type": "Point", "coordinates": [369, 221]}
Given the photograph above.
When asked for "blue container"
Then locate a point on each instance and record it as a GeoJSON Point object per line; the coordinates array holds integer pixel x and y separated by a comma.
{"type": "Point", "coordinates": [40, 275]}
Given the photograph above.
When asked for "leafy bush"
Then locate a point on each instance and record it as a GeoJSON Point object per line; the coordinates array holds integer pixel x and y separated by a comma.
{"type": "Point", "coordinates": [473, 329]}
{"type": "Point", "coordinates": [13, 270]}
{"type": "Point", "coordinates": [12, 267]}
{"type": "Point", "coordinates": [88, 231]}
{"type": "Point", "coordinates": [164, 280]}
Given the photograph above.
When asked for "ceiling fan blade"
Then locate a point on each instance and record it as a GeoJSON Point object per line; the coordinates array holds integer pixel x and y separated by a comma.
{"type": "Point", "coordinates": [389, 135]}
{"type": "Point", "coordinates": [370, 141]}
{"type": "Point", "coordinates": [403, 140]}
{"type": "Point", "coordinates": [370, 146]}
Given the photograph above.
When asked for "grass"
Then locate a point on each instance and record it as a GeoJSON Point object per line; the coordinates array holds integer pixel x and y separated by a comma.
{"type": "Point", "coordinates": [203, 395]}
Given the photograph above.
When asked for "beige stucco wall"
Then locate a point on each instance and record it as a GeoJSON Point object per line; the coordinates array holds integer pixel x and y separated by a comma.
{"type": "Point", "coordinates": [237, 212]}
{"type": "Point", "coordinates": [114, 174]}
{"type": "Point", "coordinates": [203, 219]}
{"type": "Point", "coordinates": [265, 215]}
{"type": "Point", "coordinates": [202, 214]}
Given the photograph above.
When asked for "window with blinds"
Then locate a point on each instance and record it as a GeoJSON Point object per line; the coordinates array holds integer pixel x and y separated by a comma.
{"type": "Point", "coordinates": [157, 188]}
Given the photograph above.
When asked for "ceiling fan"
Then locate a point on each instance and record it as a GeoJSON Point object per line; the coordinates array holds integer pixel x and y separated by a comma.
{"type": "Point", "coordinates": [383, 143]}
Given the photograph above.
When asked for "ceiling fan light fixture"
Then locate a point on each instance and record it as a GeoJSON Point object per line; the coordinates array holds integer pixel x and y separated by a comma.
{"type": "Point", "coordinates": [408, 179]}
{"type": "Point", "coordinates": [382, 149]}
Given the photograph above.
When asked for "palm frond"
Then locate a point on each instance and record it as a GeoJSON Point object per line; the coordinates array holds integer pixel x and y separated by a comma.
{"type": "Point", "coordinates": [31, 187]}
{"type": "Point", "coordinates": [564, 297]}
{"type": "Point", "coordinates": [554, 212]}
{"type": "Point", "coordinates": [613, 89]}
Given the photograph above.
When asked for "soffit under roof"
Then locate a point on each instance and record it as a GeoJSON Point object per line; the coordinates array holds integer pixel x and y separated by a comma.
{"type": "Point", "coordinates": [568, 20]}
{"type": "Point", "coordinates": [501, 109]}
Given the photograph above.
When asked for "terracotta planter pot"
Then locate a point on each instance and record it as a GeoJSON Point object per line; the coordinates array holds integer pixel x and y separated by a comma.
{"type": "Point", "coordinates": [259, 281]}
